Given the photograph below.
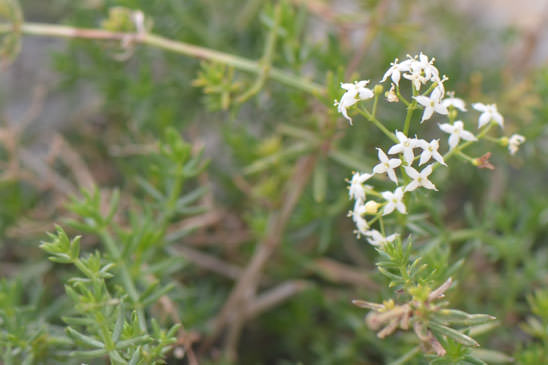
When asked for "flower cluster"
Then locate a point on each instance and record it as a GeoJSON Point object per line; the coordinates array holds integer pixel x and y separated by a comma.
{"type": "Point", "coordinates": [416, 177]}
{"type": "Point", "coordinates": [413, 159]}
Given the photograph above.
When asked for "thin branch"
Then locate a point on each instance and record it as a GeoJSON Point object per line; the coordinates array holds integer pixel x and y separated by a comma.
{"type": "Point", "coordinates": [344, 274]}
{"type": "Point", "coordinates": [240, 63]}
{"type": "Point", "coordinates": [209, 262]}
{"type": "Point", "coordinates": [275, 296]}
{"type": "Point", "coordinates": [232, 313]}
{"type": "Point", "coordinates": [74, 161]}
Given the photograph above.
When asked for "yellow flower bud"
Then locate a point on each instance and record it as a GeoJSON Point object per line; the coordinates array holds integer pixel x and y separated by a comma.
{"type": "Point", "coordinates": [378, 89]}
{"type": "Point", "coordinates": [371, 207]}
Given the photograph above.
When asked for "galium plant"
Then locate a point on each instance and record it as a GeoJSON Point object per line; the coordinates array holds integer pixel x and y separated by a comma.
{"type": "Point", "coordinates": [124, 299]}
{"type": "Point", "coordinates": [379, 215]}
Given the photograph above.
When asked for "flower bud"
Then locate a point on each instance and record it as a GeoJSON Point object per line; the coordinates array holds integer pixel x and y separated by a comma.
{"type": "Point", "coordinates": [391, 96]}
{"type": "Point", "coordinates": [453, 114]}
{"type": "Point", "coordinates": [371, 207]}
{"type": "Point", "coordinates": [378, 89]}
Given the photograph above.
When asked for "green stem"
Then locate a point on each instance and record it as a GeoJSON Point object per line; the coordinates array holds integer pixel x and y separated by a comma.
{"type": "Point", "coordinates": [80, 265]}
{"type": "Point", "coordinates": [410, 109]}
{"type": "Point", "coordinates": [375, 102]}
{"type": "Point", "coordinates": [240, 63]}
{"type": "Point", "coordinates": [378, 124]}
{"type": "Point", "coordinates": [266, 61]}
{"type": "Point", "coordinates": [125, 275]}
{"type": "Point", "coordinates": [466, 157]}
{"type": "Point", "coordinates": [400, 96]}
{"type": "Point", "coordinates": [171, 203]}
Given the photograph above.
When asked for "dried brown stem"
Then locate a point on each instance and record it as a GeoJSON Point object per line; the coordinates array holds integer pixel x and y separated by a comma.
{"type": "Point", "coordinates": [209, 262]}
{"type": "Point", "coordinates": [233, 313]}
{"type": "Point", "coordinates": [275, 296]}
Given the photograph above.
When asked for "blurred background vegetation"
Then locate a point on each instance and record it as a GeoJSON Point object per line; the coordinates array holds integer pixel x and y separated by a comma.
{"type": "Point", "coordinates": [79, 113]}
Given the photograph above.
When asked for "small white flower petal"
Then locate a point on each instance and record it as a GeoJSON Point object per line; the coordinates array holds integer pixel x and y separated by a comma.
{"type": "Point", "coordinates": [425, 157]}
{"type": "Point", "coordinates": [388, 208]}
{"type": "Point", "coordinates": [467, 136]}
{"type": "Point", "coordinates": [395, 149]}
{"type": "Point", "coordinates": [411, 172]}
{"type": "Point", "coordinates": [392, 175]}
{"type": "Point", "coordinates": [453, 141]}
{"type": "Point", "coordinates": [446, 127]}
{"type": "Point", "coordinates": [401, 207]}
{"type": "Point", "coordinates": [413, 185]}
{"type": "Point", "coordinates": [480, 106]}
{"type": "Point", "coordinates": [484, 119]}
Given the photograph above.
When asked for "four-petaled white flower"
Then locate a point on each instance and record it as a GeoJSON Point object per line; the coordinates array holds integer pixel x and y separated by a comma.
{"type": "Point", "coordinates": [488, 112]}
{"type": "Point", "coordinates": [419, 178]}
{"type": "Point", "coordinates": [357, 216]}
{"type": "Point", "coordinates": [432, 104]}
{"type": "Point", "coordinates": [416, 77]}
{"type": "Point", "coordinates": [430, 71]}
{"type": "Point", "coordinates": [387, 165]}
{"type": "Point", "coordinates": [405, 146]}
{"type": "Point", "coordinates": [454, 102]}
{"type": "Point", "coordinates": [354, 92]}
{"type": "Point", "coordinates": [356, 190]}
{"type": "Point", "coordinates": [514, 143]}
{"type": "Point", "coordinates": [395, 70]}
{"type": "Point", "coordinates": [457, 132]}
{"type": "Point", "coordinates": [418, 69]}
{"type": "Point", "coordinates": [376, 238]}
{"type": "Point", "coordinates": [394, 201]}
{"type": "Point", "coordinates": [430, 150]}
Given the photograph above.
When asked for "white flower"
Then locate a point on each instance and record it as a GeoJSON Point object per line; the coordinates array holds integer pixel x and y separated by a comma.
{"type": "Point", "coordinates": [387, 165]}
{"type": "Point", "coordinates": [362, 227]}
{"type": "Point", "coordinates": [457, 132]}
{"type": "Point", "coordinates": [391, 96]}
{"type": "Point", "coordinates": [454, 102]}
{"type": "Point", "coordinates": [416, 77]}
{"type": "Point", "coordinates": [418, 69]}
{"type": "Point", "coordinates": [375, 238]}
{"type": "Point", "coordinates": [488, 112]}
{"type": "Point", "coordinates": [421, 71]}
{"type": "Point", "coordinates": [430, 150]}
{"type": "Point", "coordinates": [405, 146]}
{"type": "Point", "coordinates": [430, 71]}
{"type": "Point", "coordinates": [419, 178]}
{"type": "Point", "coordinates": [432, 104]}
{"type": "Point", "coordinates": [394, 201]}
{"type": "Point", "coordinates": [357, 216]}
{"type": "Point", "coordinates": [514, 143]}
{"type": "Point", "coordinates": [395, 70]}
{"type": "Point", "coordinates": [356, 189]}
{"type": "Point", "coordinates": [354, 92]}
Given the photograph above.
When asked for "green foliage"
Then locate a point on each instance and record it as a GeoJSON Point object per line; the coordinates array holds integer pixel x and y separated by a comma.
{"type": "Point", "coordinates": [146, 262]}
